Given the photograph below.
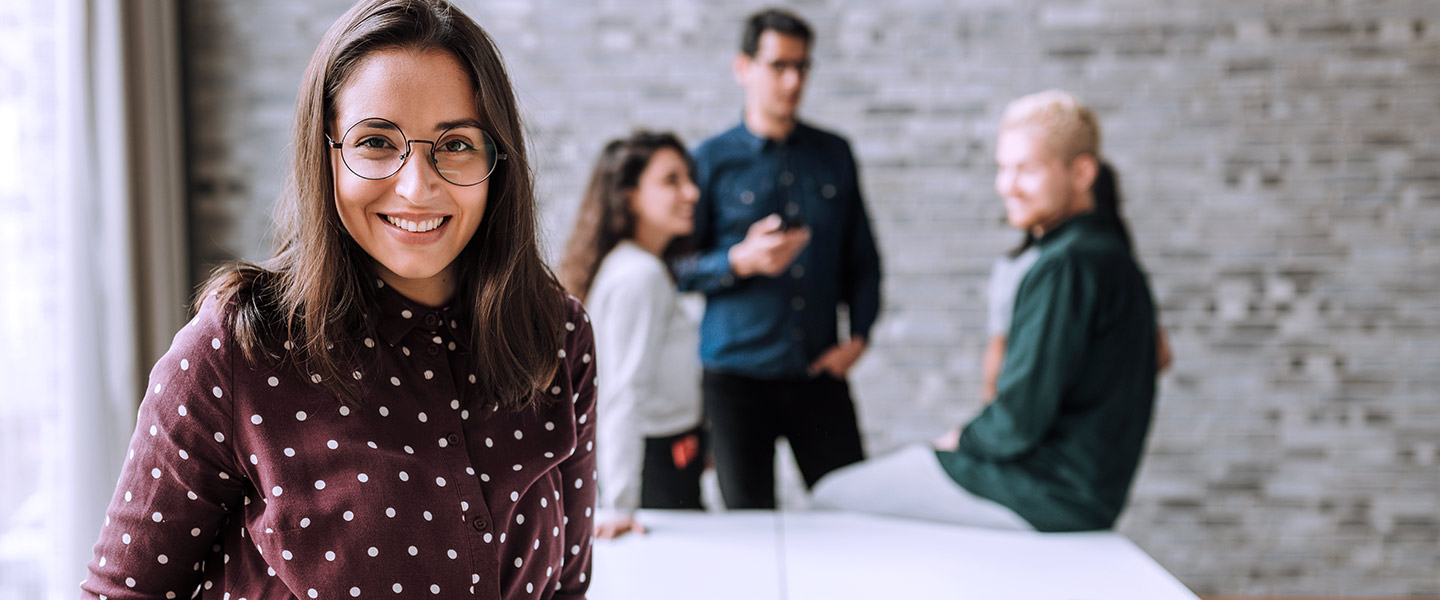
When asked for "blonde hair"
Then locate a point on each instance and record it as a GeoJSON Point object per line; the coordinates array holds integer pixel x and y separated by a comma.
{"type": "Point", "coordinates": [1068, 126]}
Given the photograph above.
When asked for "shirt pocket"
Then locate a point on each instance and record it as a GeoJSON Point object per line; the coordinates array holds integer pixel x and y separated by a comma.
{"type": "Point", "coordinates": [741, 201]}
{"type": "Point", "coordinates": [818, 199]}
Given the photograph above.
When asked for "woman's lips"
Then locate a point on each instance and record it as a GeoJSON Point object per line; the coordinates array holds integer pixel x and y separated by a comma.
{"type": "Point", "coordinates": [416, 230]}
{"type": "Point", "coordinates": [416, 225]}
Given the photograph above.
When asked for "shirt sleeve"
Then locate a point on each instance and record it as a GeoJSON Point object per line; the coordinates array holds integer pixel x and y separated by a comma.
{"type": "Point", "coordinates": [707, 270]}
{"type": "Point", "coordinates": [180, 479]}
{"type": "Point", "coordinates": [578, 472]}
{"type": "Point", "coordinates": [1047, 338]}
{"type": "Point", "coordinates": [860, 283]}
{"type": "Point", "coordinates": [999, 298]}
{"type": "Point", "coordinates": [629, 333]}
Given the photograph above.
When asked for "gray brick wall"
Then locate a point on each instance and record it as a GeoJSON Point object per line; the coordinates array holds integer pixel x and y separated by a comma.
{"type": "Point", "coordinates": [1280, 161]}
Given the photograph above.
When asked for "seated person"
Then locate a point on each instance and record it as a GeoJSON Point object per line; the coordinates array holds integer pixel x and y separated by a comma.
{"type": "Point", "coordinates": [1057, 448]}
{"type": "Point", "coordinates": [1005, 276]}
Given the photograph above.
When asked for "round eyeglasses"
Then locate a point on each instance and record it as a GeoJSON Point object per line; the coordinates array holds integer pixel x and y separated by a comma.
{"type": "Point", "coordinates": [375, 148]}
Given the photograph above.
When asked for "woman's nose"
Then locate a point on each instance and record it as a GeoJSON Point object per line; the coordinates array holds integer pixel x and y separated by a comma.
{"type": "Point", "coordinates": [418, 178]}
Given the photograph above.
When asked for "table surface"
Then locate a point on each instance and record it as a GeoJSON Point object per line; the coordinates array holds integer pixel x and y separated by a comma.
{"type": "Point", "coordinates": [820, 554]}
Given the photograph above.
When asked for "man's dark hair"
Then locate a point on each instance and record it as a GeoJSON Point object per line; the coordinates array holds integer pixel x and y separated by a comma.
{"type": "Point", "coordinates": [778, 20]}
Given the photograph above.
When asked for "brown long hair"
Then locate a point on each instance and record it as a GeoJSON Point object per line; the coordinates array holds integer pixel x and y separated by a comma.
{"type": "Point", "coordinates": [605, 216]}
{"type": "Point", "coordinates": [316, 292]}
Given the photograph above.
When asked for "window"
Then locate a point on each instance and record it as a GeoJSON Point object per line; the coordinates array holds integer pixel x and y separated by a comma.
{"type": "Point", "coordinates": [29, 256]}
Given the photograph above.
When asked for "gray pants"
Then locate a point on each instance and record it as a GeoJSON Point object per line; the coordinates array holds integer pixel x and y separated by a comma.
{"type": "Point", "coordinates": [910, 483]}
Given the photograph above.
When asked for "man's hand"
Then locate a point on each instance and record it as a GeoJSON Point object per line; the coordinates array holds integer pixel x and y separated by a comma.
{"type": "Point", "coordinates": [1163, 355]}
{"type": "Point", "coordinates": [766, 250]}
{"type": "Point", "coordinates": [948, 441]}
{"type": "Point", "coordinates": [613, 529]}
{"type": "Point", "coordinates": [838, 359]}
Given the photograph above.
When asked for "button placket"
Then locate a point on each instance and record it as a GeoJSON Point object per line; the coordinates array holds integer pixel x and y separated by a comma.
{"type": "Point", "coordinates": [456, 459]}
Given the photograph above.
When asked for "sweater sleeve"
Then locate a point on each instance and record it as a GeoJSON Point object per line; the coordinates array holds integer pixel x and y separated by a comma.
{"type": "Point", "coordinates": [629, 333]}
{"type": "Point", "coordinates": [180, 479]}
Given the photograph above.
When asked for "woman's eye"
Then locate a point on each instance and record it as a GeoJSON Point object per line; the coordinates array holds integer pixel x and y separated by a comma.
{"type": "Point", "coordinates": [374, 143]}
{"type": "Point", "coordinates": [457, 146]}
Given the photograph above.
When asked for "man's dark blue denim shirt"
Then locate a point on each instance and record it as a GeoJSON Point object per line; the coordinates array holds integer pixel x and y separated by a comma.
{"type": "Point", "coordinates": [774, 327]}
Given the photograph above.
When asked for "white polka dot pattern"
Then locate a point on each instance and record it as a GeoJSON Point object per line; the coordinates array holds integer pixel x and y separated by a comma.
{"type": "Point", "coordinates": [213, 426]}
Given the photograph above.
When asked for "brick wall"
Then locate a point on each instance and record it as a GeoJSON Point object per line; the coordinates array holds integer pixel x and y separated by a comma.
{"type": "Point", "coordinates": [1282, 172]}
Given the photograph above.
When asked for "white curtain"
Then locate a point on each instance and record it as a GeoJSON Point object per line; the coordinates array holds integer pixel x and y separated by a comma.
{"type": "Point", "coordinates": [97, 315]}
{"type": "Point", "coordinates": [99, 149]}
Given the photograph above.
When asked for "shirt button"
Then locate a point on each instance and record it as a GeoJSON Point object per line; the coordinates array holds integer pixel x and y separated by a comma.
{"type": "Point", "coordinates": [797, 303]}
{"type": "Point", "coordinates": [798, 334]}
{"type": "Point", "coordinates": [747, 197]}
{"type": "Point", "coordinates": [452, 439]}
{"type": "Point", "coordinates": [432, 350]}
{"type": "Point", "coordinates": [792, 209]}
{"type": "Point", "coordinates": [432, 320]}
{"type": "Point", "coordinates": [479, 524]}
{"type": "Point", "coordinates": [797, 271]}
{"type": "Point", "coordinates": [787, 178]}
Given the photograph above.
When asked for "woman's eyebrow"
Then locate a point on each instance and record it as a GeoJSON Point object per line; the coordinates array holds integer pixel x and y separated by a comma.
{"type": "Point", "coordinates": [380, 124]}
{"type": "Point", "coordinates": [443, 125]}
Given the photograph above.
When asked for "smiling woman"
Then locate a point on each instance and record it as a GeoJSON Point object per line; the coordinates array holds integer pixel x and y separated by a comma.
{"type": "Point", "coordinates": [403, 381]}
{"type": "Point", "coordinates": [413, 224]}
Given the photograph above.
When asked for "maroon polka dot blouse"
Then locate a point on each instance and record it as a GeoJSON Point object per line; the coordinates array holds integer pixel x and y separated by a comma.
{"type": "Point", "coordinates": [250, 482]}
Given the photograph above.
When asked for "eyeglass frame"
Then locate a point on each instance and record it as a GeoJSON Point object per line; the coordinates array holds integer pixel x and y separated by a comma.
{"type": "Point", "coordinates": [340, 145]}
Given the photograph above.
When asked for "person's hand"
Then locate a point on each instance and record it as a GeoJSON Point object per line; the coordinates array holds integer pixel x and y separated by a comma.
{"type": "Point", "coordinates": [610, 530]}
{"type": "Point", "coordinates": [948, 441]}
{"type": "Point", "coordinates": [838, 359]}
{"type": "Point", "coordinates": [766, 250]}
{"type": "Point", "coordinates": [1163, 355]}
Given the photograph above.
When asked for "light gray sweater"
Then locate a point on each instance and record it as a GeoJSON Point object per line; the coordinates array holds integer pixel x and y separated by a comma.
{"type": "Point", "coordinates": [647, 344]}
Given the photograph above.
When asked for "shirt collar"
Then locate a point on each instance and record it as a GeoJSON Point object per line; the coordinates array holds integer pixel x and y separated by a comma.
{"type": "Point", "coordinates": [399, 316]}
{"type": "Point", "coordinates": [756, 144]}
{"type": "Point", "coordinates": [1082, 222]}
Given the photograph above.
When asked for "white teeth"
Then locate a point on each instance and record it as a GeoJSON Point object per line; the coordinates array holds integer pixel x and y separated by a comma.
{"type": "Point", "coordinates": [420, 227]}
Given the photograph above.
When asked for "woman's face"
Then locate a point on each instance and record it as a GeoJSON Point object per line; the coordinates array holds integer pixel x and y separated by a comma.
{"type": "Point", "coordinates": [414, 223]}
{"type": "Point", "coordinates": [664, 198]}
{"type": "Point", "coordinates": [1040, 190]}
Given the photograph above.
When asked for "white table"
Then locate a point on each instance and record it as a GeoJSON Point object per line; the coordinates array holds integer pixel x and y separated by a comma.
{"type": "Point", "coordinates": [828, 555]}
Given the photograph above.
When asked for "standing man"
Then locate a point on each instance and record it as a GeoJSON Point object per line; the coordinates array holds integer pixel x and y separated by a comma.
{"type": "Point", "coordinates": [783, 241]}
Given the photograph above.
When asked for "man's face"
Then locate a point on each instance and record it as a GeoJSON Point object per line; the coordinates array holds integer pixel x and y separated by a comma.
{"type": "Point", "coordinates": [775, 77]}
{"type": "Point", "coordinates": [1039, 188]}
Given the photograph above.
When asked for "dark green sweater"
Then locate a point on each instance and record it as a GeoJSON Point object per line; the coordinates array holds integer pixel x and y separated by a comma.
{"type": "Point", "coordinates": [1061, 441]}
